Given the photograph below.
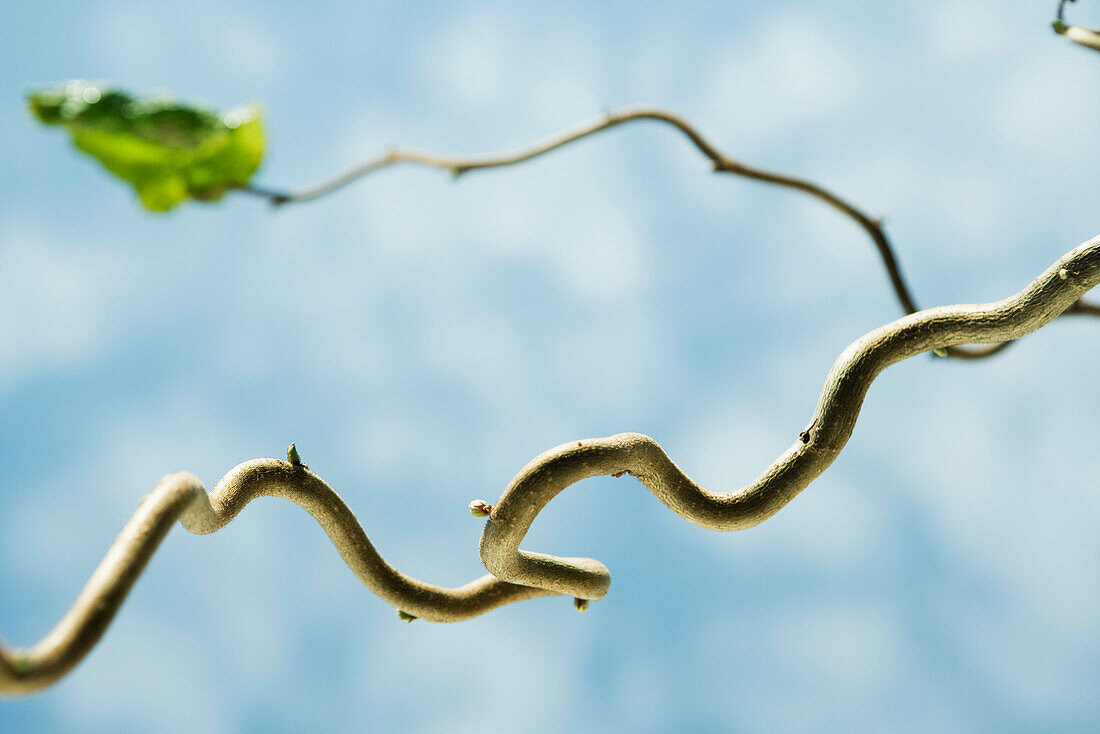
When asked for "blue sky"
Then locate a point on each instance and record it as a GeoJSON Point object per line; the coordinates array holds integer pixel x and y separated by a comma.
{"type": "Point", "coordinates": [421, 340]}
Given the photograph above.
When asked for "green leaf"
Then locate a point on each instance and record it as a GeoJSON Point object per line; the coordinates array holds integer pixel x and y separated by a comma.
{"type": "Point", "coordinates": [169, 152]}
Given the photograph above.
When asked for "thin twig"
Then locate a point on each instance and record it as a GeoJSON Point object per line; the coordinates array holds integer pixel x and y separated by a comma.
{"type": "Point", "coordinates": [1087, 37]}
{"type": "Point", "coordinates": [720, 163]}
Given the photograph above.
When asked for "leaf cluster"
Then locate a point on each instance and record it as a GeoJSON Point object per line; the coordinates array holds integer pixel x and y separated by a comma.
{"type": "Point", "coordinates": [168, 151]}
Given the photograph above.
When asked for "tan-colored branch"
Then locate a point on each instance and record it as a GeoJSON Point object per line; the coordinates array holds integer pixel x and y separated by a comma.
{"type": "Point", "coordinates": [720, 163]}
{"type": "Point", "coordinates": [816, 448]}
{"type": "Point", "coordinates": [182, 496]}
{"type": "Point", "coordinates": [520, 574]}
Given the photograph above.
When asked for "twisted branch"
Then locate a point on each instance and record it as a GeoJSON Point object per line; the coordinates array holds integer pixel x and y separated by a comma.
{"type": "Point", "coordinates": [182, 496]}
{"type": "Point", "coordinates": [517, 574]}
{"type": "Point", "coordinates": [720, 163]}
{"type": "Point", "coordinates": [1048, 296]}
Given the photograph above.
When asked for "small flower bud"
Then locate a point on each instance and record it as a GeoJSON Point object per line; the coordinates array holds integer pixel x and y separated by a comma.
{"type": "Point", "coordinates": [480, 508]}
{"type": "Point", "coordinates": [939, 352]}
{"type": "Point", "coordinates": [1063, 274]}
{"type": "Point", "coordinates": [581, 605]}
{"type": "Point", "coordinates": [292, 456]}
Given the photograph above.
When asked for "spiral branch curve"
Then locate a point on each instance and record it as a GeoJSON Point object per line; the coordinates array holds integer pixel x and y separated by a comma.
{"type": "Point", "coordinates": [830, 427]}
{"type": "Point", "coordinates": [181, 496]}
{"type": "Point", "coordinates": [516, 574]}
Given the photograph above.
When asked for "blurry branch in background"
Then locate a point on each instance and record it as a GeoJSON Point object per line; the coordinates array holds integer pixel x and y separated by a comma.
{"type": "Point", "coordinates": [519, 575]}
{"type": "Point", "coordinates": [1087, 37]}
{"type": "Point", "coordinates": [720, 163]}
{"type": "Point", "coordinates": [172, 152]}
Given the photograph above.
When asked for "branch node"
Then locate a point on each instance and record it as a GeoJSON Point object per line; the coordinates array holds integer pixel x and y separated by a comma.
{"type": "Point", "coordinates": [480, 508]}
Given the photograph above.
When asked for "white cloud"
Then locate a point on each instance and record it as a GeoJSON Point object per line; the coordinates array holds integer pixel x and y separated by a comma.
{"type": "Point", "coordinates": [790, 71]}
{"type": "Point", "coordinates": [966, 31]}
{"type": "Point", "coordinates": [851, 648]}
{"type": "Point", "coordinates": [58, 302]}
{"type": "Point", "coordinates": [473, 59]}
{"type": "Point", "coordinates": [488, 59]}
{"type": "Point", "coordinates": [1044, 110]}
{"type": "Point", "coordinates": [150, 677]}
{"type": "Point", "coordinates": [160, 42]}
{"type": "Point", "coordinates": [489, 672]}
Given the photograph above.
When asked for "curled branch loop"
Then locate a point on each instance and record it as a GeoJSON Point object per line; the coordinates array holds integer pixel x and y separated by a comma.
{"type": "Point", "coordinates": [846, 386]}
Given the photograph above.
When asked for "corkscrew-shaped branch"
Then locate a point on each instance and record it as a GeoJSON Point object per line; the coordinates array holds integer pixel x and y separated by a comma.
{"type": "Point", "coordinates": [182, 497]}
{"type": "Point", "coordinates": [720, 163]}
{"type": "Point", "coordinates": [846, 386]}
{"type": "Point", "coordinates": [517, 574]}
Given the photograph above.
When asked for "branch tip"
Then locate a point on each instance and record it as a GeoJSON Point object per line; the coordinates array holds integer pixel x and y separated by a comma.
{"type": "Point", "coordinates": [480, 508]}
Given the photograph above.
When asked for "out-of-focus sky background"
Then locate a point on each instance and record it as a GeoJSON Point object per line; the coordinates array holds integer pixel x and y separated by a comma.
{"type": "Point", "coordinates": [421, 340]}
